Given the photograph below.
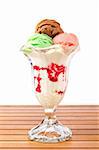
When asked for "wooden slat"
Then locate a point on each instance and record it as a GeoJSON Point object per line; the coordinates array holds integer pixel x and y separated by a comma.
{"type": "Point", "coordinates": [32, 122]}
{"type": "Point", "coordinates": [62, 114]}
{"type": "Point", "coordinates": [40, 118]}
{"type": "Point", "coordinates": [29, 148]}
{"type": "Point", "coordinates": [67, 144]}
{"type": "Point", "coordinates": [25, 138]}
{"type": "Point", "coordinates": [64, 107]}
{"type": "Point", "coordinates": [61, 110]}
{"type": "Point", "coordinates": [22, 132]}
{"type": "Point", "coordinates": [88, 127]}
{"type": "Point", "coordinates": [49, 148]}
{"type": "Point", "coordinates": [40, 105]}
{"type": "Point", "coordinates": [15, 121]}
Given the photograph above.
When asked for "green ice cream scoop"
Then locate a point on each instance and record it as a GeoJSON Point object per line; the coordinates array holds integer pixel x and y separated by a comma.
{"type": "Point", "coordinates": [40, 40]}
{"type": "Point", "coordinates": [37, 40]}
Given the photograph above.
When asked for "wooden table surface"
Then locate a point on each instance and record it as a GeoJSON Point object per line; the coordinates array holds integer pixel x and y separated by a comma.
{"type": "Point", "coordinates": [15, 121]}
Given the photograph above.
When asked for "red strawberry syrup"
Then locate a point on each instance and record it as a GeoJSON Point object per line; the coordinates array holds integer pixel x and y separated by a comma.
{"type": "Point", "coordinates": [53, 71]}
{"type": "Point", "coordinates": [59, 92]}
{"type": "Point", "coordinates": [38, 88]}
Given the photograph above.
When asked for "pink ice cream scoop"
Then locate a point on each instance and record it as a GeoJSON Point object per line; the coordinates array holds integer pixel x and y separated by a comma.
{"type": "Point", "coordinates": [68, 41]}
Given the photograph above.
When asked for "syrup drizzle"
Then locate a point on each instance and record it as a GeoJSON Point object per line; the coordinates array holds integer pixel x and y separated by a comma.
{"type": "Point", "coordinates": [53, 71]}
{"type": "Point", "coordinates": [38, 78]}
{"type": "Point", "coordinates": [59, 92]}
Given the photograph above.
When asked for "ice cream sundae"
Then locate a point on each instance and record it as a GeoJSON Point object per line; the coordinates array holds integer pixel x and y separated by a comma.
{"type": "Point", "coordinates": [49, 49]}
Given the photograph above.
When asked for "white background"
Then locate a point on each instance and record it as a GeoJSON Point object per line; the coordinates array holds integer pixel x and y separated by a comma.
{"type": "Point", "coordinates": [17, 21]}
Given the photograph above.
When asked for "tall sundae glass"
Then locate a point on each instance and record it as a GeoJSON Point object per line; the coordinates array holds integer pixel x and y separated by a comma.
{"type": "Point", "coordinates": [50, 73]}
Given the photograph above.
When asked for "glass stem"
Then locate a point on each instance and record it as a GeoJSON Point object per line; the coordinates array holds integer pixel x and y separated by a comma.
{"type": "Point", "coordinates": [50, 115]}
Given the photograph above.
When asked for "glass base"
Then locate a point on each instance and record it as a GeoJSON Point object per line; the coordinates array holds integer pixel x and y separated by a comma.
{"type": "Point", "coordinates": [51, 131]}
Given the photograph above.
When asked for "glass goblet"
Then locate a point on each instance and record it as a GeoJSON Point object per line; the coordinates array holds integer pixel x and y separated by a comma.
{"type": "Point", "coordinates": [50, 68]}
